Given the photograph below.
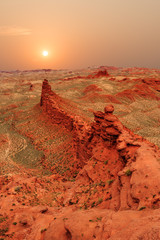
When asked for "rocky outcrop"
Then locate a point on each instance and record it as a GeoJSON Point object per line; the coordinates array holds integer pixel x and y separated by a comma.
{"type": "Point", "coordinates": [100, 73]}
{"type": "Point", "coordinates": [51, 105]}
{"type": "Point", "coordinates": [104, 224]}
{"type": "Point", "coordinates": [123, 165]}
{"type": "Point", "coordinates": [125, 161]}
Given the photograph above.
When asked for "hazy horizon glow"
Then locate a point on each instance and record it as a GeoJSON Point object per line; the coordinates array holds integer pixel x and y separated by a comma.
{"type": "Point", "coordinates": [79, 34]}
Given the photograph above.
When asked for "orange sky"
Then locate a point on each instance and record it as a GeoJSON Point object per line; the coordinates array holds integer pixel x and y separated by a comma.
{"type": "Point", "coordinates": [79, 33]}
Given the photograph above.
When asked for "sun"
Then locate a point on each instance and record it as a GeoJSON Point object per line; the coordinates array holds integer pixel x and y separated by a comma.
{"type": "Point", "coordinates": [45, 53]}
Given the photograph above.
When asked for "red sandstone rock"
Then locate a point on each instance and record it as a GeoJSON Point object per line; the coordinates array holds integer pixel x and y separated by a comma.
{"type": "Point", "coordinates": [110, 118]}
{"type": "Point", "coordinates": [51, 104]}
{"type": "Point", "coordinates": [109, 109]}
{"type": "Point", "coordinates": [100, 73]}
{"type": "Point", "coordinates": [112, 131]}
{"type": "Point", "coordinates": [99, 114]}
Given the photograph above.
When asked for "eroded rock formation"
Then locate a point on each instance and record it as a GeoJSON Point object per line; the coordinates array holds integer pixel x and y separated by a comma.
{"type": "Point", "coordinates": [100, 73]}
{"type": "Point", "coordinates": [125, 164]}
{"type": "Point", "coordinates": [51, 104]}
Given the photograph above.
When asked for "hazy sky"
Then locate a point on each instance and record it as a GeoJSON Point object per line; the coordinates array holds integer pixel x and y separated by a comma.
{"type": "Point", "coordinates": [79, 33]}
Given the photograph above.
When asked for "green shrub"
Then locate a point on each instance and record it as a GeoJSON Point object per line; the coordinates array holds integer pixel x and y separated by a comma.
{"type": "Point", "coordinates": [43, 230]}
{"type": "Point", "coordinates": [2, 219]}
{"type": "Point", "coordinates": [93, 204]}
{"type": "Point", "coordinates": [141, 208]}
{"type": "Point", "coordinates": [128, 172]}
{"type": "Point", "coordinates": [100, 200]}
{"type": "Point", "coordinates": [106, 162]}
{"type": "Point", "coordinates": [17, 189]}
{"type": "Point", "coordinates": [110, 181]}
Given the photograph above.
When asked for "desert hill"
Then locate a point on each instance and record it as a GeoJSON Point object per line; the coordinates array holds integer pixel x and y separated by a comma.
{"type": "Point", "coordinates": [79, 154]}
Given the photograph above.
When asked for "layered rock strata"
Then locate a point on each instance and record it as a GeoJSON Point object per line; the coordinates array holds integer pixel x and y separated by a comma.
{"type": "Point", "coordinates": [51, 105]}
{"type": "Point", "coordinates": [110, 153]}
{"type": "Point", "coordinates": [132, 169]}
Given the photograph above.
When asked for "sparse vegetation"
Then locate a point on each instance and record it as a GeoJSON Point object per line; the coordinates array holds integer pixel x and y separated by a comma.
{"type": "Point", "coordinates": [100, 200]}
{"type": "Point", "coordinates": [2, 219]}
{"type": "Point", "coordinates": [90, 220]}
{"type": "Point", "coordinates": [95, 220]}
{"type": "Point", "coordinates": [142, 208]}
{"type": "Point", "coordinates": [93, 204]}
{"type": "Point", "coordinates": [3, 231]}
{"type": "Point", "coordinates": [128, 172]}
{"type": "Point", "coordinates": [110, 181]}
{"type": "Point", "coordinates": [43, 230]}
{"type": "Point", "coordinates": [17, 189]}
{"type": "Point", "coordinates": [106, 162]}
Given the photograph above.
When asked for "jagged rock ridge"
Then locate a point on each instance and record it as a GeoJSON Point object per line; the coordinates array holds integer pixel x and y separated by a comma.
{"type": "Point", "coordinates": [50, 103]}
{"type": "Point", "coordinates": [110, 153]}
